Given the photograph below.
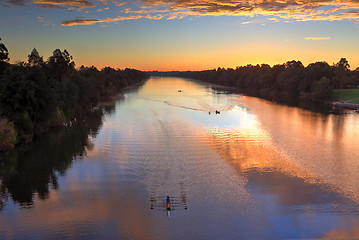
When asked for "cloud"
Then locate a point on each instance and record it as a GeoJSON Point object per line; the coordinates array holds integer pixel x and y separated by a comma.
{"type": "Point", "coordinates": [44, 21]}
{"type": "Point", "coordinates": [16, 2]}
{"type": "Point", "coordinates": [93, 21]}
{"type": "Point", "coordinates": [104, 9]}
{"type": "Point", "coordinates": [78, 4]}
{"type": "Point", "coordinates": [317, 38]}
{"type": "Point", "coordinates": [80, 22]}
{"type": "Point", "coordinates": [156, 17]}
{"type": "Point", "coordinates": [298, 10]}
{"type": "Point", "coordinates": [273, 10]}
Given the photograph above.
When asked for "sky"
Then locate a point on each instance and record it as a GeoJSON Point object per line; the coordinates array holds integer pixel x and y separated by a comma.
{"type": "Point", "coordinates": [183, 35]}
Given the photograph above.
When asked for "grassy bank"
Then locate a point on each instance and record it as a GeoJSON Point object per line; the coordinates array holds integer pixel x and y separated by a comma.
{"type": "Point", "coordinates": [347, 95]}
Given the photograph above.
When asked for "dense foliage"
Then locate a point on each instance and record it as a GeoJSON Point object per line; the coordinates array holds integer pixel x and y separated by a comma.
{"type": "Point", "coordinates": [37, 95]}
{"type": "Point", "coordinates": [285, 82]}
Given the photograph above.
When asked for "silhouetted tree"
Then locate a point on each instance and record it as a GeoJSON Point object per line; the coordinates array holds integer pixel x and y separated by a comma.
{"type": "Point", "coordinates": [4, 57]}
{"type": "Point", "coordinates": [343, 64]}
{"type": "Point", "coordinates": [60, 64]}
{"type": "Point", "coordinates": [341, 73]}
{"type": "Point", "coordinates": [312, 74]}
{"type": "Point", "coordinates": [4, 53]}
{"type": "Point", "coordinates": [34, 59]}
{"type": "Point", "coordinates": [288, 80]}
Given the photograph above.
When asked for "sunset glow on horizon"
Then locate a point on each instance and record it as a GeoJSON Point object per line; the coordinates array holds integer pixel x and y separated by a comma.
{"type": "Point", "coordinates": [167, 35]}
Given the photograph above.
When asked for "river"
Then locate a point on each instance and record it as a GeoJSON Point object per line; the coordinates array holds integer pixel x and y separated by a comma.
{"type": "Point", "coordinates": [257, 170]}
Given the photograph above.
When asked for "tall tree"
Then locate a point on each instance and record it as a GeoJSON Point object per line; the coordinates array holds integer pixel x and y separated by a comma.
{"type": "Point", "coordinates": [35, 59]}
{"type": "Point", "coordinates": [4, 53]}
{"type": "Point", "coordinates": [4, 57]}
{"type": "Point", "coordinates": [341, 70]}
{"type": "Point", "coordinates": [60, 63]}
{"type": "Point", "coordinates": [343, 64]}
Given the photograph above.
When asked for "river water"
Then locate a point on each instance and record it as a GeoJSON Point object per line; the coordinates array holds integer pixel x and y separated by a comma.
{"type": "Point", "coordinates": [257, 170]}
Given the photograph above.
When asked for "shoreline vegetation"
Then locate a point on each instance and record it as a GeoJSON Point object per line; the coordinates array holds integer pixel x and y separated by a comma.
{"type": "Point", "coordinates": [38, 95]}
{"type": "Point", "coordinates": [286, 83]}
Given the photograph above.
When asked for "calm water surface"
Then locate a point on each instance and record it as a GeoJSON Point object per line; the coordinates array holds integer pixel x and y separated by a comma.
{"type": "Point", "coordinates": [256, 171]}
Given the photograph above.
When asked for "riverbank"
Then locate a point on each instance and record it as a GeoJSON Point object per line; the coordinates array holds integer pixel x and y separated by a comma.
{"type": "Point", "coordinates": [346, 98]}
{"type": "Point", "coordinates": [345, 105]}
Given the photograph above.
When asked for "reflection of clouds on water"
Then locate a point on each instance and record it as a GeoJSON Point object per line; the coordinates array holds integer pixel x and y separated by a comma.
{"type": "Point", "coordinates": [325, 145]}
{"type": "Point", "coordinates": [163, 166]}
{"type": "Point", "coordinates": [352, 233]}
{"type": "Point", "coordinates": [166, 145]}
{"type": "Point", "coordinates": [75, 212]}
{"type": "Point", "coordinates": [283, 189]}
{"type": "Point", "coordinates": [251, 152]}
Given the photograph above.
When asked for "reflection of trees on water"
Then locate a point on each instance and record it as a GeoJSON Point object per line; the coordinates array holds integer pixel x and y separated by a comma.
{"type": "Point", "coordinates": [24, 174]}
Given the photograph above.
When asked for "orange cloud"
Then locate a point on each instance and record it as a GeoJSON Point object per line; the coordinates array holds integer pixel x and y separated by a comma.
{"type": "Point", "coordinates": [286, 10]}
{"type": "Point", "coordinates": [104, 9]}
{"type": "Point", "coordinates": [80, 22]}
{"type": "Point", "coordinates": [300, 10]}
{"type": "Point", "coordinates": [276, 10]}
{"type": "Point", "coordinates": [157, 17]}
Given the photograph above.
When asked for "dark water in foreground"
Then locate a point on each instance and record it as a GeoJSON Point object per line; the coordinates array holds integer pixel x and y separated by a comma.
{"type": "Point", "coordinates": [255, 171]}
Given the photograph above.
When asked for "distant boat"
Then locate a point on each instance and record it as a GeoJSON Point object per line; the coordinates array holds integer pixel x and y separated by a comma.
{"type": "Point", "coordinates": [180, 90]}
{"type": "Point", "coordinates": [168, 206]}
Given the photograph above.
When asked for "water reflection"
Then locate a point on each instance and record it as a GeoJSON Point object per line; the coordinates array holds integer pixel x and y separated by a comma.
{"type": "Point", "coordinates": [323, 144]}
{"type": "Point", "coordinates": [30, 173]}
{"type": "Point", "coordinates": [255, 171]}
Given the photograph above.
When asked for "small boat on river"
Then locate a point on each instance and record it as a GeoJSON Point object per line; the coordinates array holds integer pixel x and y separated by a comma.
{"type": "Point", "coordinates": [168, 204]}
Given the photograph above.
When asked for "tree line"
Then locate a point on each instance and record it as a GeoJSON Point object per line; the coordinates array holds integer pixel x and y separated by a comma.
{"type": "Point", "coordinates": [283, 82]}
{"type": "Point", "coordinates": [37, 95]}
